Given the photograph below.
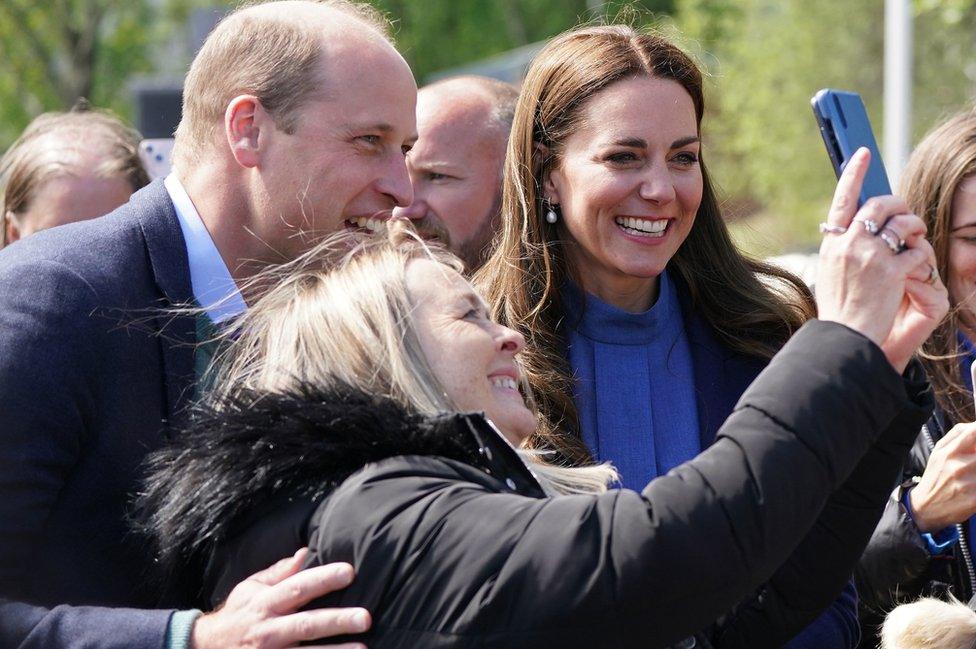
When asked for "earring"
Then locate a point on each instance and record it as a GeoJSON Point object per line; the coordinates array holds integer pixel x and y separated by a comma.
{"type": "Point", "coordinates": [551, 216]}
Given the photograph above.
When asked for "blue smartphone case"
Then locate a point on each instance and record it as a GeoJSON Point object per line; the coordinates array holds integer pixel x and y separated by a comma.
{"type": "Point", "coordinates": [845, 127]}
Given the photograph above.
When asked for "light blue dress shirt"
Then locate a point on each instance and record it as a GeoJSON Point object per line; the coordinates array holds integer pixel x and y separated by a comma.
{"type": "Point", "coordinates": [213, 287]}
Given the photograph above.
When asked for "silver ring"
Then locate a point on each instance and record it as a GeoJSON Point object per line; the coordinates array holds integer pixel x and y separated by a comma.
{"type": "Point", "coordinates": [827, 228]}
{"type": "Point", "coordinates": [870, 225]}
{"type": "Point", "coordinates": [895, 243]}
{"type": "Point", "coordinates": [933, 275]}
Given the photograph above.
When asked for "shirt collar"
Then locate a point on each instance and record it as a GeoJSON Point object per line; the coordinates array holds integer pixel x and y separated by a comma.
{"type": "Point", "coordinates": [213, 287]}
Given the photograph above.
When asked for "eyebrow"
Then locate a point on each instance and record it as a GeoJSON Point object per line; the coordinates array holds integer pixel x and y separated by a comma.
{"type": "Point", "coordinates": [382, 127]}
{"type": "Point", "coordinates": [432, 165]}
{"type": "Point", "coordinates": [641, 143]}
{"type": "Point", "coordinates": [474, 300]}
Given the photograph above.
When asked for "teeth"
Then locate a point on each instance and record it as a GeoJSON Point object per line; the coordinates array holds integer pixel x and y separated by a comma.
{"type": "Point", "coordinates": [369, 223]}
{"type": "Point", "coordinates": [504, 382]}
{"type": "Point", "coordinates": [643, 227]}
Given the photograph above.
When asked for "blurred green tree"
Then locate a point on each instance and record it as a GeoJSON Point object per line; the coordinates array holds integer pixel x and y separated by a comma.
{"type": "Point", "coordinates": [437, 34]}
{"type": "Point", "coordinates": [766, 58]}
{"type": "Point", "coordinates": [55, 52]}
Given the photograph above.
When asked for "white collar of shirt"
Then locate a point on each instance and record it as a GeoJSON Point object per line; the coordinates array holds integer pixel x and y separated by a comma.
{"type": "Point", "coordinates": [213, 287]}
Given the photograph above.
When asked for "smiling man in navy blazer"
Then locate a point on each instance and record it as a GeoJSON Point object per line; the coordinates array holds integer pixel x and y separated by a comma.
{"type": "Point", "coordinates": [297, 116]}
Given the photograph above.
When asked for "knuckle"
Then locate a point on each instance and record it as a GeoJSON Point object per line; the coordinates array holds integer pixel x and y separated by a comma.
{"type": "Point", "coordinates": [305, 629]}
{"type": "Point", "coordinates": [294, 592]}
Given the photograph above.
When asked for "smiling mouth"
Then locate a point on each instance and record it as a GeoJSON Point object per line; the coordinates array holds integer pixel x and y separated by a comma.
{"type": "Point", "coordinates": [504, 382]}
{"type": "Point", "coordinates": [370, 223]}
{"type": "Point", "coordinates": [652, 228]}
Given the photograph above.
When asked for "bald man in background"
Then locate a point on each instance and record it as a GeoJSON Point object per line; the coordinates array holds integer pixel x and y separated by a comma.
{"type": "Point", "coordinates": [455, 167]}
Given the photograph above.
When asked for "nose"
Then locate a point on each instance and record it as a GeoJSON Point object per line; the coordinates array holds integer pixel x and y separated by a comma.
{"type": "Point", "coordinates": [415, 211]}
{"type": "Point", "coordinates": [657, 185]}
{"type": "Point", "coordinates": [395, 183]}
{"type": "Point", "coordinates": [510, 340]}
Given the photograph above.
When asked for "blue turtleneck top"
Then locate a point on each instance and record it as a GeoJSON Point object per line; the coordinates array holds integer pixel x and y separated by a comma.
{"type": "Point", "coordinates": [635, 388]}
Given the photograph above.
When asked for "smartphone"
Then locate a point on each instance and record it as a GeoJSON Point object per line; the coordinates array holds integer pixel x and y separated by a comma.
{"type": "Point", "coordinates": [845, 128]}
{"type": "Point", "coordinates": [157, 156]}
{"type": "Point", "coordinates": [972, 378]}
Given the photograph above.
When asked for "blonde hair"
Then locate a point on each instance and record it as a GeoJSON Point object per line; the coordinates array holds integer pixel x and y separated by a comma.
{"type": "Point", "coordinates": [930, 624]}
{"type": "Point", "coordinates": [523, 278]}
{"type": "Point", "coordinates": [275, 58]}
{"type": "Point", "coordinates": [53, 146]}
{"type": "Point", "coordinates": [341, 315]}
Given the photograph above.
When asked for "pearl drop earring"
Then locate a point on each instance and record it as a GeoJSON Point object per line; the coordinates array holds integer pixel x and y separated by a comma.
{"type": "Point", "coordinates": [551, 215]}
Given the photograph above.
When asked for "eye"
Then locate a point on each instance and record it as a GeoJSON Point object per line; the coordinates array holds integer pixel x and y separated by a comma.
{"type": "Point", "coordinates": [622, 157]}
{"type": "Point", "coordinates": [475, 313]}
{"type": "Point", "coordinates": [435, 176]}
{"type": "Point", "coordinates": [370, 139]}
{"type": "Point", "coordinates": [686, 158]}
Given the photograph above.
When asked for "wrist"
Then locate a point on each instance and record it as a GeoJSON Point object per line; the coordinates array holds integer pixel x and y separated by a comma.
{"type": "Point", "coordinates": [919, 505]}
{"type": "Point", "coordinates": [201, 633]}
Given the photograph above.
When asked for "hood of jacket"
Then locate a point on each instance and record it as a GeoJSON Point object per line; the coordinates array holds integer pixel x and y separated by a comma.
{"type": "Point", "coordinates": [255, 448]}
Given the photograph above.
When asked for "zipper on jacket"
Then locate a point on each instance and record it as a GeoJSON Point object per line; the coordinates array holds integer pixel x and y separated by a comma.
{"type": "Point", "coordinates": [963, 541]}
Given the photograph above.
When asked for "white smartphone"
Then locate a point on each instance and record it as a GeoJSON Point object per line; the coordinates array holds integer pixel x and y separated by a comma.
{"type": "Point", "coordinates": [157, 156]}
{"type": "Point", "coordinates": [972, 379]}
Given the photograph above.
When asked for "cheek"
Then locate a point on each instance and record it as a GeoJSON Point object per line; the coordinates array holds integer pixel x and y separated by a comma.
{"type": "Point", "coordinates": [689, 190]}
{"type": "Point", "coordinates": [962, 272]}
{"type": "Point", "coordinates": [589, 197]}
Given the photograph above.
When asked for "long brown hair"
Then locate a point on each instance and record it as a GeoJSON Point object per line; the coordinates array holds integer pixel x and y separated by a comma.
{"type": "Point", "coordinates": [940, 163]}
{"type": "Point", "coordinates": [523, 277]}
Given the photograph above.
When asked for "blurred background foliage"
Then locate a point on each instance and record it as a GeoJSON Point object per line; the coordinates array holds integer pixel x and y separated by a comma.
{"type": "Point", "coordinates": [764, 60]}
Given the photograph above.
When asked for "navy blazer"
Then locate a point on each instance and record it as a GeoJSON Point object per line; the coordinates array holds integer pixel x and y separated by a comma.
{"type": "Point", "coordinates": [721, 377]}
{"type": "Point", "coordinates": [92, 370]}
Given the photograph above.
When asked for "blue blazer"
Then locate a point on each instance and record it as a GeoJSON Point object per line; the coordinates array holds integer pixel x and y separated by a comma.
{"type": "Point", "coordinates": [721, 377]}
{"type": "Point", "coordinates": [92, 372]}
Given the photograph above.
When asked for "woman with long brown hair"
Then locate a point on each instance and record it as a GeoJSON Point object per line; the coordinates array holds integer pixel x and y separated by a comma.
{"type": "Point", "coordinates": [924, 542]}
{"type": "Point", "coordinates": [644, 324]}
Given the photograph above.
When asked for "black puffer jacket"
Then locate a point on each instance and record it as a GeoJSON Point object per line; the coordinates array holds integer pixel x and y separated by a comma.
{"type": "Point", "coordinates": [455, 544]}
{"type": "Point", "coordinates": [897, 566]}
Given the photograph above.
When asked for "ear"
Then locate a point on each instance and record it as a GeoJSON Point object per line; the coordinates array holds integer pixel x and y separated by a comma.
{"type": "Point", "coordinates": [541, 155]}
{"type": "Point", "coordinates": [247, 125]}
{"type": "Point", "coordinates": [11, 231]}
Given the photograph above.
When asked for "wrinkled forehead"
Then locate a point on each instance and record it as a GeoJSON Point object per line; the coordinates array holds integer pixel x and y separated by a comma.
{"type": "Point", "coordinates": [431, 283]}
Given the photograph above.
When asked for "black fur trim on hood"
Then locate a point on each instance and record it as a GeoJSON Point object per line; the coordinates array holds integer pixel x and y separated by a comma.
{"type": "Point", "coordinates": [259, 446]}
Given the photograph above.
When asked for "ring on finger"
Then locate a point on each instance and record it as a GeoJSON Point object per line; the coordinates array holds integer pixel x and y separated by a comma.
{"type": "Point", "coordinates": [870, 225]}
{"type": "Point", "coordinates": [829, 228]}
{"type": "Point", "coordinates": [894, 242]}
{"type": "Point", "coordinates": [933, 275]}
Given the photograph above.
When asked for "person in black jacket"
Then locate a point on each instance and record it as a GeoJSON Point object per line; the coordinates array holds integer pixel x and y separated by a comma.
{"type": "Point", "coordinates": [370, 409]}
{"type": "Point", "coordinates": [924, 542]}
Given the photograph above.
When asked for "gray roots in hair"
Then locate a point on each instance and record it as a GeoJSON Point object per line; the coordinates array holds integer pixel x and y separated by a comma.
{"type": "Point", "coordinates": [340, 315]}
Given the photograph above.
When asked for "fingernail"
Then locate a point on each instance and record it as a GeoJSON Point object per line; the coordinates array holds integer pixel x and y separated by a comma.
{"type": "Point", "coordinates": [344, 573]}
{"type": "Point", "coordinates": [360, 619]}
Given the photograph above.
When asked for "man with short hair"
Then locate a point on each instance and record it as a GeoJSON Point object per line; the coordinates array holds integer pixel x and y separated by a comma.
{"type": "Point", "coordinates": [463, 125]}
{"type": "Point", "coordinates": [67, 167]}
{"type": "Point", "coordinates": [297, 118]}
